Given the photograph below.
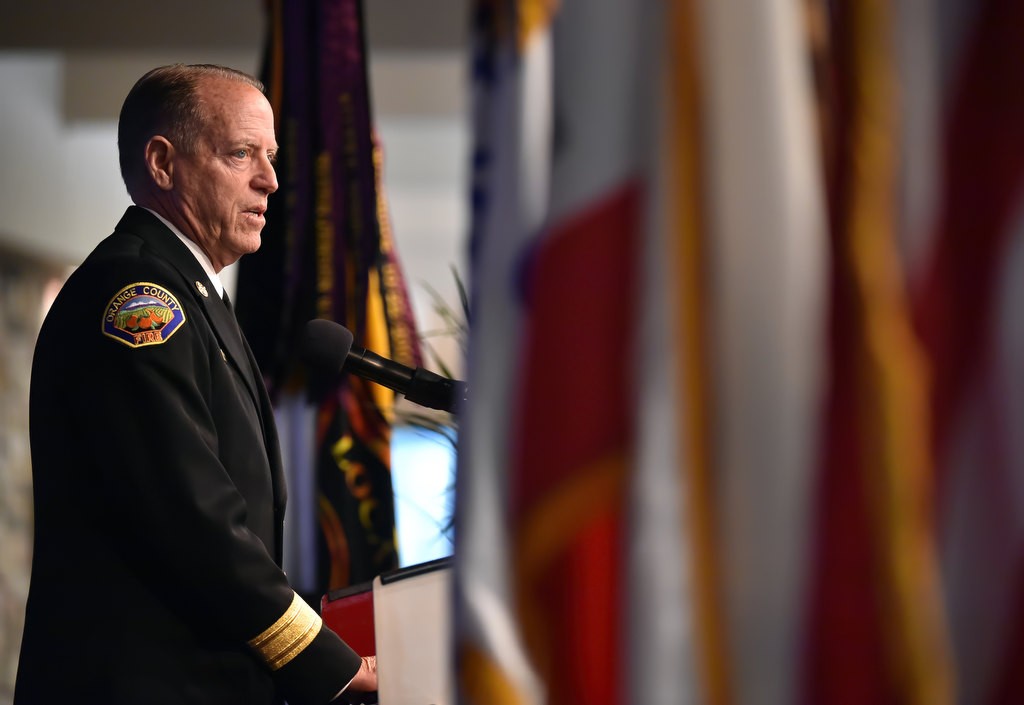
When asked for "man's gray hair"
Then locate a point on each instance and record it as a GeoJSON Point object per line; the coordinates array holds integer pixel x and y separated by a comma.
{"type": "Point", "coordinates": [165, 102]}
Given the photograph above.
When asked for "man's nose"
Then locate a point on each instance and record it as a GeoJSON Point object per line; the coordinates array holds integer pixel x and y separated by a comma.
{"type": "Point", "coordinates": [265, 178]}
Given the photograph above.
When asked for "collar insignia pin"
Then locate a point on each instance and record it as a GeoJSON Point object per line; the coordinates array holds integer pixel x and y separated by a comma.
{"type": "Point", "coordinates": [202, 289]}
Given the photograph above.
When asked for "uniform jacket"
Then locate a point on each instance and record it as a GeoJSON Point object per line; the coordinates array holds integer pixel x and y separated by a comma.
{"type": "Point", "coordinates": [159, 498]}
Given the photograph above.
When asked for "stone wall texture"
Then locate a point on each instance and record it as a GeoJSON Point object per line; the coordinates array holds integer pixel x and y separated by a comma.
{"type": "Point", "coordinates": [25, 285]}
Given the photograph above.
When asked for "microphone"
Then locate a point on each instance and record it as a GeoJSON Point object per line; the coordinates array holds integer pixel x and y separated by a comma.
{"type": "Point", "coordinates": [327, 350]}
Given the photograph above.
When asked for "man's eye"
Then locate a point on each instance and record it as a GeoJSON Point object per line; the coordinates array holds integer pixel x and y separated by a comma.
{"type": "Point", "coordinates": [241, 153]}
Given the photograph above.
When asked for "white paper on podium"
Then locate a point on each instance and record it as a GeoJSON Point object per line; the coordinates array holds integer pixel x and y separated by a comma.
{"type": "Point", "coordinates": [411, 615]}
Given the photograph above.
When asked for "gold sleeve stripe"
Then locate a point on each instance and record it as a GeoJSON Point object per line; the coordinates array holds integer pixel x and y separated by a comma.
{"type": "Point", "coordinates": [289, 635]}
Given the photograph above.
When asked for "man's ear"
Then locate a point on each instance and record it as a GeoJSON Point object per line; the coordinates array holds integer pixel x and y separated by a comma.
{"type": "Point", "coordinates": [160, 162]}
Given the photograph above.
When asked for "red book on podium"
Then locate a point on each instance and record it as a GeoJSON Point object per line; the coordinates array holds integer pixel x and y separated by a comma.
{"type": "Point", "coordinates": [402, 617]}
{"type": "Point", "coordinates": [349, 614]}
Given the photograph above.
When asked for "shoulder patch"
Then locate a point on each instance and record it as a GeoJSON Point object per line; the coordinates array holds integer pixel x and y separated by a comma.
{"type": "Point", "coordinates": [142, 314]}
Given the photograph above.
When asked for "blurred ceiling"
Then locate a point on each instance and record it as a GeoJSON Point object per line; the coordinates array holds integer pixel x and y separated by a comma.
{"type": "Point", "coordinates": [224, 25]}
{"type": "Point", "coordinates": [107, 44]}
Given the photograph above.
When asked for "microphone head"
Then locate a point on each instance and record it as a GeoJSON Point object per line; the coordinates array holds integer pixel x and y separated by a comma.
{"type": "Point", "coordinates": [325, 347]}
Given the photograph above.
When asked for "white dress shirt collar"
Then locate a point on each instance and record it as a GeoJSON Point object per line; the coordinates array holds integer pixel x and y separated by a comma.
{"type": "Point", "coordinates": [197, 252]}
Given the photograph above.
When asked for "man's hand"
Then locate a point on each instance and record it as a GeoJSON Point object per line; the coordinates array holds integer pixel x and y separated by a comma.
{"type": "Point", "coordinates": [365, 680]}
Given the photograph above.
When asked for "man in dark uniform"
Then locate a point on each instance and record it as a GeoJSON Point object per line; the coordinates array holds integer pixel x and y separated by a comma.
{"type": "Point", "coordinates": [159, 494]}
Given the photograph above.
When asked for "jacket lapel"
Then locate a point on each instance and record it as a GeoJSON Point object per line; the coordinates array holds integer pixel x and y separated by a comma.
{"type": "Point", "coordinates": [167, 245]}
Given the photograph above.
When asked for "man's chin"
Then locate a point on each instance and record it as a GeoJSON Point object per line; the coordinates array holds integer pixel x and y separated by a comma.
{"type": "Point", "coordinates": [243, 247]}
{"type": "Point", "coordinates": [249, 242]}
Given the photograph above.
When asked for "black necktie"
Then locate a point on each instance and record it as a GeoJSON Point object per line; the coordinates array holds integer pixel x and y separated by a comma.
{"type": "Point", "coordinates": [250, 362]}
{"type": "Point", "coordinates": [234, 322]}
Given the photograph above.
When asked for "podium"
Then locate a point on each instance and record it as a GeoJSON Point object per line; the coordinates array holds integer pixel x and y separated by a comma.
{"type": "Point", "coordinates": [404, 617]}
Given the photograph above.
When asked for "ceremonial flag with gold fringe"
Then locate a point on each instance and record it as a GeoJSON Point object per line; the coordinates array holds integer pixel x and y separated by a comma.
{"type": "Point", "coordinates": [917, 596]}
{"type": "Point", "coordinates": [968, 302]}
{"type": "Point", "coordinates": [636, 499]}
{"type": "Point", "coordinates": [751, 355]}
{"type": "Point", "coordinates": [764, 240]}
{"type": "Point", "coordinates": [327, 252]}
{"type": "Point", "coordinates": [877, 624]}
{"type": "Point", "coordinates": [511, 73]}
{"type": "Point", "coordinates": [589, 498]}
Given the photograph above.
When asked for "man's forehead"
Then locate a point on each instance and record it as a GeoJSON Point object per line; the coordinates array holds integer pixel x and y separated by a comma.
{"type": "Point", "coordinates": [238, 108]}
{"type": "Point", "coordinates": [220, 87]}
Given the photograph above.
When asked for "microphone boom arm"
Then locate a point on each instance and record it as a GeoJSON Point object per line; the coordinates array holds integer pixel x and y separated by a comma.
{"type": "Point", "coordinates": [418, 385]}
{"type": "Point", "coordinates": [327, 350]}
